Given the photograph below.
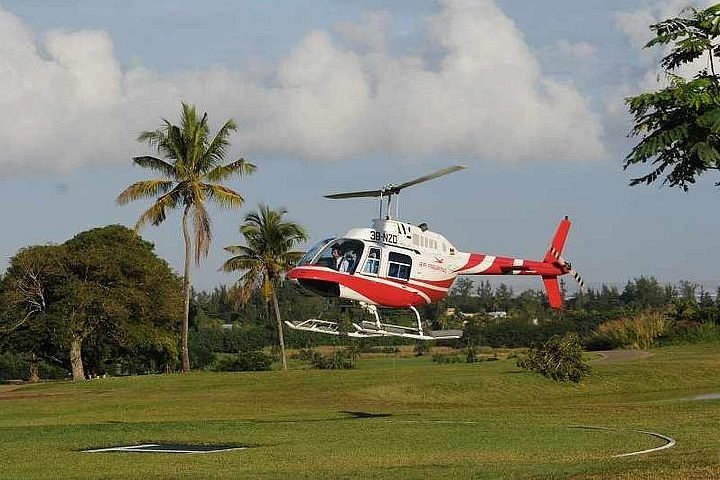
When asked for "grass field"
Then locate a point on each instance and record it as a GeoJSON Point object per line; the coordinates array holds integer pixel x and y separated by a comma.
{"type": "Point", "coordinates": [390, 418]}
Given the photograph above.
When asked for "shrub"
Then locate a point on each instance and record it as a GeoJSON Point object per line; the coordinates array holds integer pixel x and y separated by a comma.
{"type": "Point", "coordinates": [304, 355]}
{"type": "Point", "coordinates": [471, 354]}
{"type": "Point", "coordinates": [693, 332]}
{"type": "Point", "coordinates": [445, 358]}
{"type": "Point", "coordinates": [340, 360]}
{"type": "Point", "coordinates": [421, 348]}
{"type": "Point", "coordinates": [16, 366]}
{"type": "Point", "coordinates": [640, 331]}
{"type": "Point", "coordinates": [559, 358]}
{"type": "Point", "coordinates": [253, 361]}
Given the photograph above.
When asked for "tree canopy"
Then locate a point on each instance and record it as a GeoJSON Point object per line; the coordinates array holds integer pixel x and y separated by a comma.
{"type": "Point", "coordinates": [679, 125]}
{"type": "Point", "coordinates": [102, 296]}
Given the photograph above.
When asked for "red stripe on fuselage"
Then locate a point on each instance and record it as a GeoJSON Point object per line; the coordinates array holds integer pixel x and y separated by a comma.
{"type": "Point", "coordinates": [385, 292]}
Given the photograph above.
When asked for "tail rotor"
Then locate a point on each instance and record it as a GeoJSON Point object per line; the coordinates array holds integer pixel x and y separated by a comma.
{"type": "Point", "coordinates": [567, 266]}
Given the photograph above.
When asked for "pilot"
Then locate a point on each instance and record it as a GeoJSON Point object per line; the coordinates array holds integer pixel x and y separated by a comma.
{"type": "Point", "coordinates": [336, 258]}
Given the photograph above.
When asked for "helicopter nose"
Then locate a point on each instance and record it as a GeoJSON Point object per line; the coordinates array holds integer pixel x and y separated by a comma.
{"type": "Point", "coordinates": [315, 281]}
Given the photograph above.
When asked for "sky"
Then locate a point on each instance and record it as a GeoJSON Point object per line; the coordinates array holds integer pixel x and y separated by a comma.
{"type": "Point", "coordinates": [342, 95]}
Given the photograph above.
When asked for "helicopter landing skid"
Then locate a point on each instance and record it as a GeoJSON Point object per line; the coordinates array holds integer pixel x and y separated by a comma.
{"type": "Point", "coordinates": [331, 328]}
{"type": "Point", "coordinates": [389, 330]}
{"type": "Point", "coordinates": [367, 329]}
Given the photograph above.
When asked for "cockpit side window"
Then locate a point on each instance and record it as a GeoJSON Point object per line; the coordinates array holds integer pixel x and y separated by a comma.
{"type": "Point", "coordinates": [399, 265]}
{"type": "Point", "coordinates": [372, 264]}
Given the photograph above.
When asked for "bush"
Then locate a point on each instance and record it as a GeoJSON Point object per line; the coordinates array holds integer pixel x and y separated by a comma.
{"type": "Point", "coordinates": [16, 366]}
{"type": "Point", "coordinates": [441, 358]}
{"type": "Point", "coordinates": [421, 348]}
{"type": "Point", "coordinates": [640, 331]}
{"type": "Point", "coordinates": [304, 355]}
{"type": "Point", "coordinates": [693, 332]}
{"type": "Point", "coordinates": [340, 360]}
{"type": "Point", "coordinates": [560, 358]}
{"type": "Point", "coordinates": [253, 361]}
{"type": "Point", "coordinates": [13, 367]}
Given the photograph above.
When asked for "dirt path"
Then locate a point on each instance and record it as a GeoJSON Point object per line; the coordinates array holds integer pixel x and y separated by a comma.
{"type": "Point", "coordinates": [9, 388]}
{"type": "Point", "coordinates": [613, 356]}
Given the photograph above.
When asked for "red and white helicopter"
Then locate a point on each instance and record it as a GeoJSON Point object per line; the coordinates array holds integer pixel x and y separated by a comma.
{"type": "Point", "coordinates": [398, 265]}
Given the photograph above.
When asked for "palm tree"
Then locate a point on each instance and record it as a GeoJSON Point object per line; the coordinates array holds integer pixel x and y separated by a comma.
{"type": "Point", "coordinates": [191, 166]}
{"type": "Point", "coordinates": [266, 256]}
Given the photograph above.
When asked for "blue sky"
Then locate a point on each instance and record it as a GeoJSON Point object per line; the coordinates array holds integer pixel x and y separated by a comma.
{"type": "Point", "coordinates": [343, 95]}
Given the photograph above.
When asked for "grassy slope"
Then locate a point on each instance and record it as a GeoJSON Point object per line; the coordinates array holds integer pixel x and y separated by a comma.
{"type": "Point", "coordinates": [488, 420]}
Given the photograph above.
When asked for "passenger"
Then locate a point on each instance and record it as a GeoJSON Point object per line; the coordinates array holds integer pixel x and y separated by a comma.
{"type": "Point", "coordinates": [347, 262]}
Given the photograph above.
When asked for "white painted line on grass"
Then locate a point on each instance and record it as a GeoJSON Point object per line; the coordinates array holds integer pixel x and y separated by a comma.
{"type": "Point", "coordinates": [670, 442]}
{"type": "Point", "coordinates": [152, 448]}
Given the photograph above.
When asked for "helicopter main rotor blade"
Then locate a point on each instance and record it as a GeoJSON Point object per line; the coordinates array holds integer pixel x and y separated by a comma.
{"type": "Point", "coordinates": [395, 189]}
{"type": "Point", "coordinates": [366, 193]}
{"type": "Point", "coordinates": [425, 178]}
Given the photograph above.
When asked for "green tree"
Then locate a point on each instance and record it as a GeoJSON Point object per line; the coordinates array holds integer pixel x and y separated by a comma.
{"type": "Point", "coordinates": [26, 290]}
{"type": "Point", "coordinates": [106, 284]}
{"type": "Point", "coordinates": [266, 255]}
{"type": "Point", "coordinates": [679, 125]}
{"type": "Point", "coordinates": [646, 292]}
{"type": "Point", "coordinates": [191, 166]}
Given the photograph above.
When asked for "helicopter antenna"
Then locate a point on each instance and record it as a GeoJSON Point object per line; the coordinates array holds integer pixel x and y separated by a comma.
{"type": "Point", "coordinates": [391, 189]}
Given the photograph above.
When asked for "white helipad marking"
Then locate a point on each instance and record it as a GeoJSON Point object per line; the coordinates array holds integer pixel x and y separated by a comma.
{"type": "Point", "coordinates": [670, 441]}
{"type": "Point", "coordinates": [158, 448]}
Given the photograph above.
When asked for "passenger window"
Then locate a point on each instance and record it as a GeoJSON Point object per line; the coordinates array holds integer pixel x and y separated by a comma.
{"type": "Point", "coordinates": [372, 264]}
{"type": "Point", "coordinates": [399, 266]}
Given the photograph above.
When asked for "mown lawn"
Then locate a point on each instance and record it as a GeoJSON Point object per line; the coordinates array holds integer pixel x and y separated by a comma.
{"type": "Point", "coordinates": [389, 418]}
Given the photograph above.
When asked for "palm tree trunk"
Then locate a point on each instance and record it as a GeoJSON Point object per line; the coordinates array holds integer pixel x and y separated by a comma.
{"type": "Point", "coordinates": [78, 372]}
{"type": "Point", "coordinates": [184, 354]}
{"type": "Point", "coordinates": [281, 338]}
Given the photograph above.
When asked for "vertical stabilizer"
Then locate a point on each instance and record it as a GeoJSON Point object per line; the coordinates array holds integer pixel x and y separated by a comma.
{"type": "Point", "coordinates": [558, 242]}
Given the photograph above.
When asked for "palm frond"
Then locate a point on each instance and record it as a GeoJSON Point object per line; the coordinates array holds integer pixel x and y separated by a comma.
{"type": "Point", "coordinates": [239, 167]}
{"type": "Point", "coordinates": [223, 196]}
{"type": "Point", "coordinates": [241, 250]}
{"type": "Point", "coordinates": [154, 163]}
{"type": "Point", "coordinates": [177, 149]}
{"type": "Point", "coordinates": [240, 262]}
{"type": "Point", "coordinates": [152, 137]}
{"type": "Point", "coordinates": [250, 282]}
{"type": "Point", "coordinates": [144, 189]}
{"type": "Point", "coordinates": [217, 148]}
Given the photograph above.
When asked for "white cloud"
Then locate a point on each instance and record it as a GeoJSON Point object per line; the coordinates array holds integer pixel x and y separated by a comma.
{"type": "Point", "coordinates": [582, 51]}
{"type": "Point", "coordinates": [484, 95]}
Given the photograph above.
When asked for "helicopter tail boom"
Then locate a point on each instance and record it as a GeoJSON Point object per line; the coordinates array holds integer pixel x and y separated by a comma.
{"type": "Point", "coordinates": [552, 266]}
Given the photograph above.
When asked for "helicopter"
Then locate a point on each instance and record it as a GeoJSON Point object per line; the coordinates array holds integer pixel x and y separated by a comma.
{"type": "Point", "coordinates": [395, 265]}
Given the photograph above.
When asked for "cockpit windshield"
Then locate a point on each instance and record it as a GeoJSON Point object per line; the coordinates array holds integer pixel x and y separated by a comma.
{"type": "Point", "coordinates": [307, 259]}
